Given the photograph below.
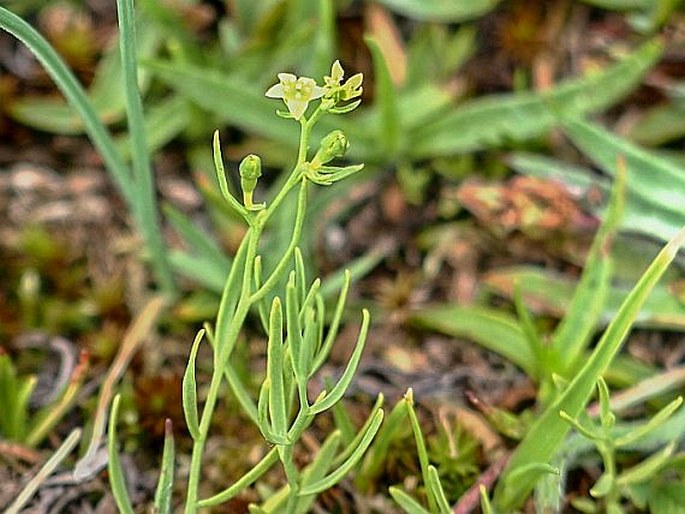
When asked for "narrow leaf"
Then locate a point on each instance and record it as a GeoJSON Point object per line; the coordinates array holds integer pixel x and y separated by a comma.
{"type": "Point", "coordinates": [165, 485]}
{"type": "Point", "coordinates": [116, 472]}
{"type": "Point", "coordinates": [337, 475]}
{"type": "Point", "coordinates": [190, 409]}
{"type": "Point", "coordinates": [409, 504]}
{"type": "Point", "coordinates": [335, 394]}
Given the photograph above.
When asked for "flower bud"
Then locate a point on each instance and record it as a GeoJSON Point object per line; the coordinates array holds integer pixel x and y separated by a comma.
{"type": "Point", "coordinates": [250, 171]}
{"type": "Point", "coordinates": [333, 145]}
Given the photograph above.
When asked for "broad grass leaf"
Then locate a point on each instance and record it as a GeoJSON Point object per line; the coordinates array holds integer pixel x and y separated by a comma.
{"type": "Point", "coordinates": [492, 329]}
{"type": "Point", "coordinates": [549, 294]}
{"type": "Point", "coordinates": [656, 186]}
{"type": "Point", "coordinates": [105, 94]}
{"type": "Point", "coordinates": [230, 98]}
{"type": "Point", "coordinates": [440, 10]}
{"type": "Point", "coordinates": [498, 119]}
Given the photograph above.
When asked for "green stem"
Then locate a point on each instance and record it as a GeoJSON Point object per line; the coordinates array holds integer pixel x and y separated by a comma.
{"type": "Point", "coordinates": [294, 240]}
{"type": "Point", "coordinates": [225, 342]}
{"type": "Point", "coordinates": [224, 346]}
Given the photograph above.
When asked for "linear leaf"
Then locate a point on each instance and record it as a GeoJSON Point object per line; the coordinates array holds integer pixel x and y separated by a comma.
{"type": "Point", "coordinates": [656, 186]}
{"type": "Point", "coordinates": [190, 389]}
{"type": "Point", "coordinates": [165, 485]}
{"type": "Point", "coordinates": [337, 475]}
{"type": "Point", "coordinates": [409, 504]}
{"type": "Point", "coordinates": [116, 472]}
{"type": "Point", "coordinates": [335, 394]}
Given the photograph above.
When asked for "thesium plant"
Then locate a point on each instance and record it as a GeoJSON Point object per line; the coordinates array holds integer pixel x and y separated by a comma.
{"type": "Point", "coordinates": [293, 316]}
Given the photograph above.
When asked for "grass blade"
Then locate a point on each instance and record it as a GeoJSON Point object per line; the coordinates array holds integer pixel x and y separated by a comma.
{"type": "Point", "coordinates": [490, 328]}
{"type": "Point", "coordinates": [549, 430]}
{"type": "Point", "coordinates": [166, 474]}
{"type": "Point", "coordinates": [409, 504]}
{"type": "Point", "coordinates": [145, 202]}
{"type": "Point", "coordinates": [389, 118]}
{"type": "Point", "coordinates": [656, 186]}
{"type": "Point", "coordinates": [245, 481]}
{"type": "Point", "coordinates": [76, 96]}
{"type": "Point", "coordinates": [116, 472]}
{"type": "Point", "coordinates": [30, 489]}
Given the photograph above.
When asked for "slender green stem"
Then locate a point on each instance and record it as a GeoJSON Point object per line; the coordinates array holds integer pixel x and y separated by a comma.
{"type": "Point", "coordinates": [224, 346]}
{"type": "Point", "coordinates": [285, 259]}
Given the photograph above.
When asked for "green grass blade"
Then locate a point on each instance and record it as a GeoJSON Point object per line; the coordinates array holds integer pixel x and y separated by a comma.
{"type": "Point", "coordinates": [165, 485]}
{"type": "Point", "coordinates": [244, 482]}
{"type": "Point", "coordinates": [436, 490]}
{"type": "Point", "coordinates": [356, 440]}
{"type": "Point", "coordinates": [376, 456]}
{"type": "Point", "coordinates": [656, 186]}
{"type": "Point", "coordinates": [389, 117]}
{"type": "Point", "coordinates": [420, 445]}
{"type": "Point", "coordinates": [145, 202]}
{"type": "Point", "coordinates": [573, 335]}
{"type": "Point", "coordinates": [116, 472]}
{"type": "Point", "coordinates": [334, 326]}
{"type": "Point", "coordinates": [498, 119]}
{"type": "Point", "coordinates": [550, 293]}
{"type": "Point", "coordinates": [537, 347]}
{"type": "Point", "coordinates": [489, 328]}
{"type": "Point", "coordinates": [105, 94]}
{"type": "Point", "coordinates": [200, 241]}
{"type": "Point", "coordinates": [240, 392]}
{"type": "Point", "coordinates": [548, 432]}
{"type": "Point", "coordinates": [76, 96]}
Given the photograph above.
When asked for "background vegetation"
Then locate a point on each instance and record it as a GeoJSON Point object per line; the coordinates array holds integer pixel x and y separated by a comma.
{"type": "Point", "coordinates": [493, 133]}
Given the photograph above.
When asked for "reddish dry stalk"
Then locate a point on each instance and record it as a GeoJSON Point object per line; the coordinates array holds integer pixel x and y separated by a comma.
{"type": "Point", "coordinates": [471, 499]}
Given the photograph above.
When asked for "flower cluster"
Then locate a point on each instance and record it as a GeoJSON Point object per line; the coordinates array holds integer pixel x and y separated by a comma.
{"type": "Point", "coordinates": [297, 92]}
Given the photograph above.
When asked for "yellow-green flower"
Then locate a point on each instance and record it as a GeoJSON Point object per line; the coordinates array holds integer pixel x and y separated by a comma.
{"type": "Point", "coordinates": [336, 77]}
{"type": "Point", "coordinates": [295, 92]}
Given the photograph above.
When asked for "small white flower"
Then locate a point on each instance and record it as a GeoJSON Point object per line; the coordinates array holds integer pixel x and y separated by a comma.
{"type": "Point", "coordinates": [295, 92]}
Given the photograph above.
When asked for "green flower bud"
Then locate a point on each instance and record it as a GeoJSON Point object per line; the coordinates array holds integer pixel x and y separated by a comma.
{"type": "Point", "coordinates": [334, 145]}
{"type": "Point", "coordinates": [250, 171]}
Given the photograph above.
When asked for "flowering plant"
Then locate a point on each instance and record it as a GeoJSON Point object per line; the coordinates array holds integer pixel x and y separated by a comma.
{"type": "Point", "coordinates": [298, 343]}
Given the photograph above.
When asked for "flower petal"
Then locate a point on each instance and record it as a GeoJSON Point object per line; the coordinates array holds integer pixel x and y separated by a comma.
{"type": "Point", "coordinates": [275, 91]}
{"type": "Point", "coordinates": [296, 107]}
